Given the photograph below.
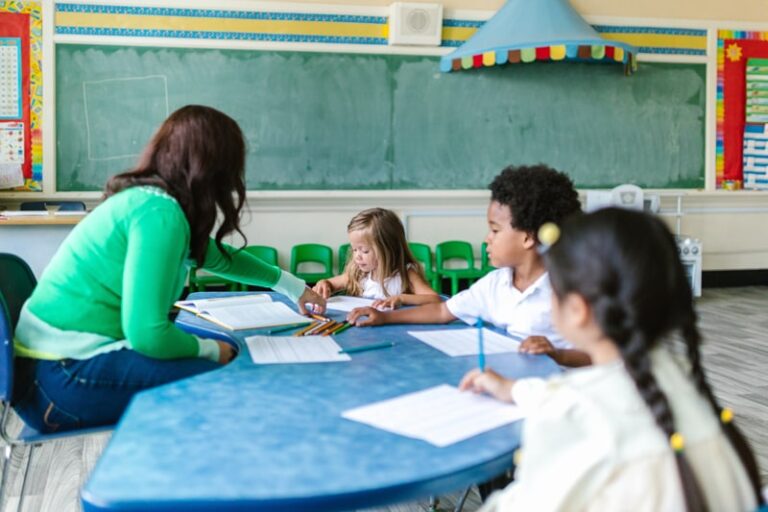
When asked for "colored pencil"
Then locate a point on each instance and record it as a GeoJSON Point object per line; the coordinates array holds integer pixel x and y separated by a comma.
{"type": "Point", "coordinates": [364, 348]}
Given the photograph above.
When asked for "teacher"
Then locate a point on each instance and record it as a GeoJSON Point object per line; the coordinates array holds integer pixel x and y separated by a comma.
{"type": "Point", "coordinates": [96, 329]}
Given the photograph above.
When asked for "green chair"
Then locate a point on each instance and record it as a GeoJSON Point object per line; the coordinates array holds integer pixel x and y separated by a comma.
{"type": "Point", "coordinates": [312, 253]}
{"type": "Point", "coordinates": [198, 282]}
{"type": "Point", "coordinates": [265, 253]}
{"type": "Point", "coordinates": [423, 254]}
{"type": "Point", "coordinates": [456, 250]}
{"type": "Point", "coordinates": [345, 251]}
{"type": "Point", "coordinates": [485, 264]}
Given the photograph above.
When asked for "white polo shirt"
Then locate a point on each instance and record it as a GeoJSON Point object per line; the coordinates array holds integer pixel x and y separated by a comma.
{"type": "Point", "coordinates": [495, 300]}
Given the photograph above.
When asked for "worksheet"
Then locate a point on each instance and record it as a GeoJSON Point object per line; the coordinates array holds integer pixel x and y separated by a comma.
{"type": "Point", "coordinates": [347, 303]}
{"type": "Point", "coordinates": [441, 415]}
{"type": "Point", "coordinates": [293, 349]}
{"type": "Point", "coordinates": [464, 342]}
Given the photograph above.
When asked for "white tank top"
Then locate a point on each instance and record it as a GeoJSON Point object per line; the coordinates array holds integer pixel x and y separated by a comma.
{"type": "Point", "coordinates": [372, 289]}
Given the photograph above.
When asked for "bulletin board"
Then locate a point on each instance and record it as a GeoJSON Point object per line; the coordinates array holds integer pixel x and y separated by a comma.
{"type": "Point", "coordinates": [20, 96]}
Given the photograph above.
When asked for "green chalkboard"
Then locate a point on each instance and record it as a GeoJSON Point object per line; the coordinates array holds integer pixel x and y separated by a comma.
{"type": "Point", "coordinates": [348, 121]}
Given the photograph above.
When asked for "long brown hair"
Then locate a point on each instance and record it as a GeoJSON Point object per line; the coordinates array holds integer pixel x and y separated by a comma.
{"type": "Point", "coordinates": [384, 231]}
{"type": "Point", "coordinates": [198, 157]}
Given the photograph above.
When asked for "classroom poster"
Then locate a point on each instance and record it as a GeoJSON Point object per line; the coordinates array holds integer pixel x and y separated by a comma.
{"type": "Point", "coordinates": [735, 53]}
{"type": "Point", "coordinates": [21, 40]}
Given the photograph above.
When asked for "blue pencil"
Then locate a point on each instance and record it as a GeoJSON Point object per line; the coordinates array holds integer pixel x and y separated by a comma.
{"type": "Point", "coordinates": [480, 350]}
{"type": "Point", "coordinates": [373, 346]}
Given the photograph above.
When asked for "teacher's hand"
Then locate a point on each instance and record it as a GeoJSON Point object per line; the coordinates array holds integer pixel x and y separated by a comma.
{"type": "Point", "coordinates": [311, 302]}
{"type": "Point", "coordinates": [226, 352]}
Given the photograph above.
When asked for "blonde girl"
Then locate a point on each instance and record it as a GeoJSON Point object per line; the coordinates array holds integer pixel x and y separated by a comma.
{"type": "Point", "coordinates": [380, 265]}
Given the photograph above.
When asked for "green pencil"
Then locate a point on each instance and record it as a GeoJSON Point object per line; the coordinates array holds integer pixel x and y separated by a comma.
{"type": "Point", "coordinates": [341, 329]}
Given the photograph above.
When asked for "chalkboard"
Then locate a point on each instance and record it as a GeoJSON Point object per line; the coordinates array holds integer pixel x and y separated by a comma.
{"type": "Point", "coordinates": [349, 121]}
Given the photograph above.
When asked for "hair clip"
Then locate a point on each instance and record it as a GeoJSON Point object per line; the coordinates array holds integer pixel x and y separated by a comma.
{"type": "Point", "coordinates": [726, 415]}
{"type": "Point", "coordinates": [549, 234]}
{"type": "Point", "coordinates": [677, 442]}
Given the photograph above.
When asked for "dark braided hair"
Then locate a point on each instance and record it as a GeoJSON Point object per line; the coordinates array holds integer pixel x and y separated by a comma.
{"type": "Point", "coordinates": [626, 266]}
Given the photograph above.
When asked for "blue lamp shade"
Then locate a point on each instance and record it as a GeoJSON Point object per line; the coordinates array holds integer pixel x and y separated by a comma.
{"type": "Point", "coordinates": [537, 30]}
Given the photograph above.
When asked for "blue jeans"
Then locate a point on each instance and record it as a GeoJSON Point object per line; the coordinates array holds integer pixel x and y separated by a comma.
{"type": "Point", "coordinates": [54, 396]}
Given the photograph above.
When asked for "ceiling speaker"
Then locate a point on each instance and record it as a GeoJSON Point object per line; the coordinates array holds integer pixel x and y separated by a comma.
{"type": "Point", "coordinates": [415, 24]}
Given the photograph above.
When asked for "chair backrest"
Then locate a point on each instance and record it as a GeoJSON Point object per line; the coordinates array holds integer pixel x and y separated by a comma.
{"type": "Point", "coordinates": [16, 284]}
{"type": "Point", "coordinates": [423, 254]}
{"type": "Point", "coordinates": [6, 353]}
{"type": "Point", "coordinates": [312, 253]}
{"type": "Point", "coordinates": [263, 252]}
{"type": "Point", "coordinates": [345, 251]}
{"type": "Point", "coordinates": [64, 206]}
{"type": "Point", "coordinates": [454, 250]}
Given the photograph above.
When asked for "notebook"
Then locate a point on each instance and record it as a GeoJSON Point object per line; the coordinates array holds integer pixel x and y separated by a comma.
{"type": "Point", "coordinates": [244, 312]}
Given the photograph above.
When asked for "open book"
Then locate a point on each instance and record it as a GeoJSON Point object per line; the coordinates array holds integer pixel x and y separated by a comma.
{"type": "Point", "coordinates": [244, 312]}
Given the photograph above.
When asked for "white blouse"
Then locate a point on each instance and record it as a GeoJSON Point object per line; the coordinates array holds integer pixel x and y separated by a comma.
{"type": "Point", "coordinates": [372, 289]}
{"type": "Point", "coordinates": [591, 444]}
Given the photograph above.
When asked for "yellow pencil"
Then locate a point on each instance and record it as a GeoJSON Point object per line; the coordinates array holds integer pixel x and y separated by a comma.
{"type": "Point", "coordinates": [307, 329]}
{"type": "Point", "coordinates": [327, 327]}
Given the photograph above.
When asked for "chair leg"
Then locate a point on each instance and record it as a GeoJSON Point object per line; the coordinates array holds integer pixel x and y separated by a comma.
{"type": "Point", "coordinates": [454, 285]}
{"type": "Point", "coordinates": [462, 500]}
{"type": "Point", "coordinates": [24, 478]}
{"type": "Point", "coordinates": [8, 449]}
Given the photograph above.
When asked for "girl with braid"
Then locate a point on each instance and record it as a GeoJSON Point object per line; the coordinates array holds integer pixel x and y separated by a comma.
{"type": "Point", "coordinates": [639, 430]}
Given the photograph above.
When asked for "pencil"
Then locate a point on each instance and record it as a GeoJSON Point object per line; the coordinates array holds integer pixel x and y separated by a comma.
{"type": "Point", "coordinates": [364, 348]}
{"type": "Point", "coordinates": [327, 327]}
{"type": "Point", "coordinates": [480, 351]}
{"type": "Point", "coordinates": [320, 326]}
{"type": "Point", "coordinates": [339, 327]}
{"type": "Point", "coordinates": [344, 327]}
{"type": "Point", "coordinates": [307, 329]}
{"type": "Point", "coordinates": [320, 317]}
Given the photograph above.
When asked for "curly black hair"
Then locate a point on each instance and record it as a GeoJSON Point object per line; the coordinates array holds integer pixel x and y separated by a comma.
{"type": "Point", "coordinates": [535, 195]}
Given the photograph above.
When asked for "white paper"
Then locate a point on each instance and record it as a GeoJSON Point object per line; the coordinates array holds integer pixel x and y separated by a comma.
{"type": "Point", "coordinates": [294, 349]}
{"type": "Point", "coordinates": [11, 176]}
{"type": "Point", "coordinates": [346, 302]}
{"type": "Point", "coordinates": [24, 213]}
{"type": "Point", "coordinates": [441, 416]}
{"type": "Point", "coordinates": [464, 342]}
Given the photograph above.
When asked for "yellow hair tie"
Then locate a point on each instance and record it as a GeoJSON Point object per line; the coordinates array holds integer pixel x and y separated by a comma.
{"type": "Point", "coordinates": [677, 442]}
{"type": "Point", "coordinates": [726, 415]}
{"type": "Point", "coordinates": [549, 233]}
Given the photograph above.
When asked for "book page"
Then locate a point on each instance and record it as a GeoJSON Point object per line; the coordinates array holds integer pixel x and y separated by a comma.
{"type": "Point", "coordinates": [441, 415]}
{"type": "Point", "coordinates": [255, 316]}
{"type": "Point", "coordinates": [463, 342]}
{"type": "Point", "coordinates": [223, 302]}
{"type": "Point", "coordinates": [291, 349]}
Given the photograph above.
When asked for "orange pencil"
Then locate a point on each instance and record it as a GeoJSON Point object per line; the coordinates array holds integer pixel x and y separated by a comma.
{"type": "Point", "coordinates": [319, 327]}
{"type": "Point", "coordinates": [327, 328]}
{"type": "Point", "coordinates": [307, 329]}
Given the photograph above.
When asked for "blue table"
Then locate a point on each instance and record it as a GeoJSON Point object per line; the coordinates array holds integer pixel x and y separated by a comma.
{"type": "Point", "coordinates": [271, 437]}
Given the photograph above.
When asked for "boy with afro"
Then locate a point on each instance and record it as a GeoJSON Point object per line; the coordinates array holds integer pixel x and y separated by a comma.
{"type": "Point", "coordinates": [517, 295]}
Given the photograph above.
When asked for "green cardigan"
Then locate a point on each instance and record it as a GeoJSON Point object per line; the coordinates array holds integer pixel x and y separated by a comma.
{"type": "Point", "coordinates": [115, 278]}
